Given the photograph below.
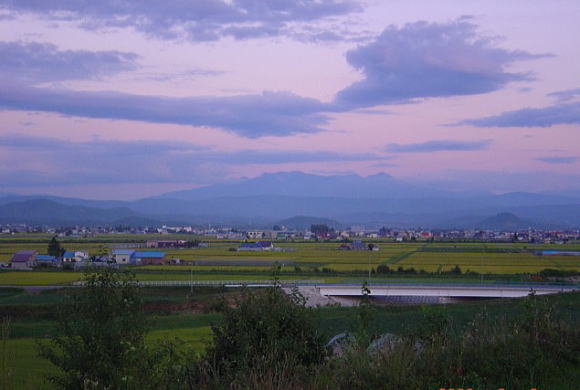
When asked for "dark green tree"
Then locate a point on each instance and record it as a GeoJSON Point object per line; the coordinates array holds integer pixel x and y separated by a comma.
{"type": "Point", "coordinates": [54, 248]}
{"type": "Point", "coordinates": [99, 342]}
{"type": "Point", "coordinates": [320, 229]}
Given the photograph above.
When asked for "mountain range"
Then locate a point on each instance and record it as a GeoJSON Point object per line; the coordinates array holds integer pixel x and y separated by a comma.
{"type": "Point", "coordinates": [269, 199]}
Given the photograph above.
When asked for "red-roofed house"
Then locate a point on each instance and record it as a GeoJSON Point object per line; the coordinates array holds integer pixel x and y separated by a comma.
{"type": "Point", "coordinates": [23, 260]}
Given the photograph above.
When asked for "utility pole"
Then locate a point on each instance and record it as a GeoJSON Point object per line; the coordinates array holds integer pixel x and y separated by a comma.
{"type": "Point", "coordinates": [191, 280]}
{"type": "Point", "coordinates": [370, 265]}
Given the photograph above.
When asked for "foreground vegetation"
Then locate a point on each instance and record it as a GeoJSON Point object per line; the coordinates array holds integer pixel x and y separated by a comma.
{"type": "Point", "coordinates": [215, 338]}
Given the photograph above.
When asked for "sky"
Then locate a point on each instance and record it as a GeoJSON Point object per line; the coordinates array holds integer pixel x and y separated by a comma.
{"type": "Point", "coordinates": [121, 99]}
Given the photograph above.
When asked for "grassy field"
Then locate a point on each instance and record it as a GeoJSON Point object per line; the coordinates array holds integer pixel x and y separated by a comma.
{"type": "Point", "coordinates": [29, 370]}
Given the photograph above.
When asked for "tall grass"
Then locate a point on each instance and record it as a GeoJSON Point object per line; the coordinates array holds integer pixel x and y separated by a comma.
{"type": "Point", "coordinates": [6, 377]}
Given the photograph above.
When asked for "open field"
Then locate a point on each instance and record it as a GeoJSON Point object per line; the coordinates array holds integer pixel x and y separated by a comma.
{"type": "Point", "coordinates": [29, 370]}
{"type": "Point", "coordinates": [500, 263]}
{"type": "Point", "coordinates": [301, 260]}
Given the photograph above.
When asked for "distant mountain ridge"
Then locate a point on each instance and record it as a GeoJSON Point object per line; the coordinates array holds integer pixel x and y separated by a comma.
{"type": "Point", "coordinates": [380, 185]}
{"type": "Point", "coordinates": [44, 211]}
{"type": "Point", "coordinates": [372, 201]}
{"type": "Point", "coordinates": [504, 221]}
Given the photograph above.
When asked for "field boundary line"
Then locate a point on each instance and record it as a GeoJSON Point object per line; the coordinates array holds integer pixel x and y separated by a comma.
{"type": "Point", "coordinates": [396, 259]}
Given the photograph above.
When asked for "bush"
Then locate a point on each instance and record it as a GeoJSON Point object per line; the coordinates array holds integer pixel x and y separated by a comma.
{"type": "Point", "coordinates": [101, 334]}
{"type": "Point", "coordinates": [536, 350]}
{"type": "Point", "coordinates": [268, 340]}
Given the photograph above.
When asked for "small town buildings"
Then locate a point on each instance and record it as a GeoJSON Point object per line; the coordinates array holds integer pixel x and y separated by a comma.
{"type": "Point", "coordinates": [23, 260]}
{"type": "Point", "coordinates": [254, 234]}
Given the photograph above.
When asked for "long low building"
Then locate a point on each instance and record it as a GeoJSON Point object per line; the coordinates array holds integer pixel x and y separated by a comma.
{"type": "Point", "coordinates": [127, 256]}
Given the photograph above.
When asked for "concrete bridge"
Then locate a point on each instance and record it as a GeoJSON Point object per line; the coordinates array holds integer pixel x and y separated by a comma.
{"type": "Point", "coordinates": [443, 290]}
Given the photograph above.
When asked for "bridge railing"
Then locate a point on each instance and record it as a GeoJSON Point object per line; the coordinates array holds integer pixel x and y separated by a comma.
{"type": "Point", "coordinates": [201, 283]}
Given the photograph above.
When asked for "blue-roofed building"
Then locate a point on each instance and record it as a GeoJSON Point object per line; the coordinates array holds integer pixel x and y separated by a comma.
{"type": "Point", "coordinates": [73, 257]}
{"type": "Point", "coordinates": [123, 256]}
{"type": "Point", "coordinates": [249, 247]}
{"type": "Point", "coordinates": [149, 258]}
{"type": "Point", "coordinates": [47, 261]}
{"type": "Point", "coordinates": [559, 253]}
{"type": "Point", "coordinates": [68, 257]}
{"type": "Point", "coordinates": [260, 246]}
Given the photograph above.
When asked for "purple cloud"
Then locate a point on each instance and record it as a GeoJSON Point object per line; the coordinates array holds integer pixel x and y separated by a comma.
{"type": "Point", "coordinates": [401, 65]}
{"type": "Point", "coordinates": [567, 95]}
{"type": "Point", "coordinates": [33, 62]}
{"type": "Point", "coordinates": [422, 60]}
{"type": "Point", "coordinates": [558, 160]}
{"type": "Point", "coordinates": [199, 20]}
{"type": "Point", "coordinates": [557, 114]}
{"type": "Point", "coordinates": [252, 116]}
{"type": "Point", "coordinates": [438, 146]}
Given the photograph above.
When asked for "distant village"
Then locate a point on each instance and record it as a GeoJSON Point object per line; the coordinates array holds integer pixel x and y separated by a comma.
{"type": "Point", "coordinates": [314, 233]}
{"type": "Point", "coordinates": [354, 238]}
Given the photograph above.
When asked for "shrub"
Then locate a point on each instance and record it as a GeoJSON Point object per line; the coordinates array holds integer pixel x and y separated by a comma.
{"type": "Point", "coordinates": [268, 339]}
{"type": "Point", "coordinates": [101, 333]}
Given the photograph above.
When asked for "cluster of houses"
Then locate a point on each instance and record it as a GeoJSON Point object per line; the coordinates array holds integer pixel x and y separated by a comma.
{"type": "Point", "coordinates": [281, 233]}
{"type": "Point", "coordinates": [29, 259]}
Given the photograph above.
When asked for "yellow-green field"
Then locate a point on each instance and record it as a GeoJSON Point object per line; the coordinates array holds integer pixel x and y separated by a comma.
{"type": "Point", "coordinates": [301, 257]}
{"type": "Point", "coordinates": [500, 263]}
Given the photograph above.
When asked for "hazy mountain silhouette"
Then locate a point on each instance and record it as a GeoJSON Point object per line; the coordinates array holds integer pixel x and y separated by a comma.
{"type": "Point", "coordinates": [504, 221]}
{"type": "Point", "coordinates": [44, 211]}
{"type": "Point", "coordinates": [304, 222]}
{"type": "Point", "coordinates": [303, 184]}
{"type": "Point", "coordinates": [349, 199]}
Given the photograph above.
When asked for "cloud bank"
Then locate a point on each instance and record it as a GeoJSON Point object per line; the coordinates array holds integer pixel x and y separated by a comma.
{"type": "Point", "coordinates": [197, 20]}
{"type": "Point", "coordinates": [251, 116]}
{"type": "Point", "coordinates": [418, 60]}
